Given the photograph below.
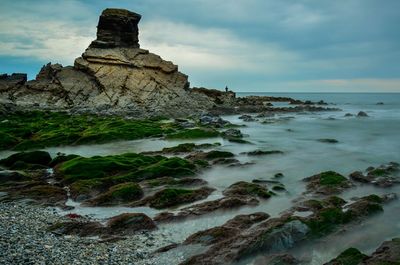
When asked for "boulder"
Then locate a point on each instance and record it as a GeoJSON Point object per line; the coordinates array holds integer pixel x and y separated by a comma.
{"type": "Point", "coordinates": [130, 223]}
{"type": "Point", "coordinates": [362, 114]}
{"type": "Point", "coordinates": [117, 28]}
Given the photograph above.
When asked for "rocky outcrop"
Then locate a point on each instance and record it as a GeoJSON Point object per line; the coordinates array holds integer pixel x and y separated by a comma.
{"type": "Point", "coordinates": [112, 76]}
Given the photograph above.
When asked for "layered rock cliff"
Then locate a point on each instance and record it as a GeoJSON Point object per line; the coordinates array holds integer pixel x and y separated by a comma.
{"type": "Point", "coordinates": [114, 75]}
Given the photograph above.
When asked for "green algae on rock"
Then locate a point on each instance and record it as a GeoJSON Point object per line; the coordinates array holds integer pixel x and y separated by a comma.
{"type": "Point", "coordinates": [124, 167]}
{"type": "Point", "coordinates": [121, 193]}
{"type": "Point", "coordinates": [25, 160]}
{"type": "Point", "coordinates": [170, 197]}
{"type": "Point", "coordinates": [196, 133]}
{"type": "Point", "coordinates": [39, 129]}
{"type": "Point", "coordinates": [243, 188]}
{"type": "Point", "coordinates": [350, 256]}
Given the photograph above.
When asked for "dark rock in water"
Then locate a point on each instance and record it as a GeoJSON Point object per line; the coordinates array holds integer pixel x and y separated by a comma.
{"type": "Point", "coordinates": [170, 197]}
{"type": "Point", "coordinates": [387, 253]}
{"type": "Point", "coordinates": [261, 152]}
{"type": "Point", "coordinates": [212, 120]}
{"type": "Point", "coordinates": [232, 133]}
{"type": "Point", "coordinates": [350, 256]}
{"type": "Point", "coordinates": [8, 175]}
{"type": "Point", "coordinates": [362, 114]}
{"type": "Point", "coordinates": [380, 103]}
{"type": "Point", "coordinates": [279, 175]}
{"type": "Point", "coordinates": [247, 118]}
{"type": "Point", "coordinates": [118, 194]}
{"type": "Point", "coordinates": [348, 115]}
{"type": "Point", "coordinates": [276, 259]}
{"type": "Point", "coordinates": [326, 183]}
{"type": "Point", "coordinates": [328, 140]}
{"type": "Point", "coordinates": [243, 188]}
{"type": "Point", "coordinates": [117, 28]}
{"type": "Point", "coordinates": [225, 203]}
{"type": "Point", "coordinates": [228, 230]}
{"type": "Point", "coordinates": [35, 157]}
{"type": "Point", "coordinates": [130, 223]}
{"type": "Point", "coordinates": [385, 175]}
{"type": "Point", "coordinates": [120, 225]}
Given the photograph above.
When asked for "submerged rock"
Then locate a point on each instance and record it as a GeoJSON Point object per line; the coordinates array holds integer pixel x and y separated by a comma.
{"type": "Point", "coordinates": [362, 114]}
{"type": "Point", "coordinates": [327, 183]}
{"type": "Point", "coordinates": [385, 175]}
{"type": "Point", "coordinates": [170, 197]}
{"type": "Point", "coordinates": [225, 203]}
{"type": "Point", "coordinates": [243, 188]}
{"type": "Point", "coordinates": [387, 253]}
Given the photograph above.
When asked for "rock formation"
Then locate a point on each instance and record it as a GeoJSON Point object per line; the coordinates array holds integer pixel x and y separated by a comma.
{"type": "Point", "coordinates": [112, 76]}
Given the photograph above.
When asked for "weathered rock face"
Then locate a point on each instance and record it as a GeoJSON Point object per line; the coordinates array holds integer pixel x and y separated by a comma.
{"type": "Point", "coordinates": [113, 76]}
{"type": "Point", "coordinates": [117, 28]}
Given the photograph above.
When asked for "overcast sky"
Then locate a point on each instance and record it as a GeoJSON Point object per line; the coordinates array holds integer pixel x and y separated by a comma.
{"type": "Point", "coordinates": [249, 45]}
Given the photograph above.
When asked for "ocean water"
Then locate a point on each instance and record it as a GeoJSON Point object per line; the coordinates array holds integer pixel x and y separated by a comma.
{"type": "Point", "coordinates": [362, 142]}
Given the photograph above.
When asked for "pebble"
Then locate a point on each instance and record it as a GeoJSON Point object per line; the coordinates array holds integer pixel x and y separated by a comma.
{"type": "Point", "coordinates": [24, 239]}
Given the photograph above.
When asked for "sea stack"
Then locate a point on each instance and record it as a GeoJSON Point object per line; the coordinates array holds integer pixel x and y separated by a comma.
{"type": "Point", "coordinates": [117, 28]}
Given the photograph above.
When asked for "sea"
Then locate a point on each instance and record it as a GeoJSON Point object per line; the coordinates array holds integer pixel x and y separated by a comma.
{"type": "Point", "coordinates": [362, 142]}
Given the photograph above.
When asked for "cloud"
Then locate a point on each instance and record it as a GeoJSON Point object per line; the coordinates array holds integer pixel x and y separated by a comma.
{"type": "Point", "coordinates": [212, 49]}
{"type": "Point", "coordinates": [43, 36]}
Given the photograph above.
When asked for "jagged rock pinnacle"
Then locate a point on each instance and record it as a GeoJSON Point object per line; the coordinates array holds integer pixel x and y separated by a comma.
{"type": "Point", "coordinates": [117, 28]}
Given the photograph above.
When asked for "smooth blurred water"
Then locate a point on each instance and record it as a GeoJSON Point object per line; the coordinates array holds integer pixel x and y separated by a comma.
{"type": "Point", "coordinates": [363, 142]}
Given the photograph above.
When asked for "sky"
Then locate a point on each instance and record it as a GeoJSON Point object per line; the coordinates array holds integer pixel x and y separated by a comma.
{"type": "Point", "coordinates": [247, 45]}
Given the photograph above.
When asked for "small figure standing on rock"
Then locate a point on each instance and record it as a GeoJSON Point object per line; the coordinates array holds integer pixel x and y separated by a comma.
{"type": "Point", "coordinates": [226, 89]}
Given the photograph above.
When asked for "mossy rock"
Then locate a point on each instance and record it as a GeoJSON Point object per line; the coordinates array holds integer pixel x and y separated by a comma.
{"type": "Point", "coordinates": [170, 197]}
{"type": "Point", "coordinates": [196, 133]}
{"type": "Point", "coordinates": [124, 168]}
{"type": "Point", "coordinates": [331, 178]}
{"type": "Point", "coordinates": [46, 194]}
{"type": "Point", "coordinates": [187, 147]}
{"type": "Point", "coordinates": [23, 160]}
{"type": "Point", "coordinates": [61, 159]}
{"type": "Point", "coordinates": [350, 256]}
{"type": "Point", "coordinates": [243, 188]}
{"type": "Point", "coordinates": [118, 194]}
{"type": "Point", "coordinates": [38, 129]}
{"type": "Point", "coordinates": [238, 140]}
{"type": "Point", "coordinates": [263, 152]}
{"type": "Point", "coordinates": [130, 223]}
{"type": "Point", "coordinates": [7, 141]}
{"type": "Point", "coordinates": [218, 154]}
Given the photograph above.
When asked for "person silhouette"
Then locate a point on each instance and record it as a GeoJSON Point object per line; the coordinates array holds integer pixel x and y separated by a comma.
{"type": "Point", "coordinates": [226, 89]}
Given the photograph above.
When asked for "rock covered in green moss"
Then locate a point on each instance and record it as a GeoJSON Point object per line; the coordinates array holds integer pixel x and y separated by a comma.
{"type": "Point", "coordinates": [243, 188]}
{"type": "Point", "coordinates": [27, 160]}
{"type": "Point", "coordinates": [130, 223]}
{"type": "Point", "coordinates": [37, 130]}
{"type": "Point", "coordinates": [385, 175]}
{"type": "Point", "coordinates": [124, 168]}
{"type": "Point", "coordinates": [350, 256]}
{"type": "Point", "coordinates": [43, 194]}
{"type": "Point", "coordinates": [61, 159]}
{"type": "Point", "coordinates": [263, 152]}
{"type": "Point", "coordinates": [228, 230]}
{"type": "Point", "coordinates": [118, 194]}
{"type": "Point", "coordinates": [326, 183]}
{"type": "Point", "coordinates": [170, 197]}
{"type": "Point", "coordinates": [388, 253]}
{"type": "Point", "coordinates": [121, 225]}
{"type": "Point", "coordinates": [221, 204]}
{"type": "Point", "coordinates": [196, 133]}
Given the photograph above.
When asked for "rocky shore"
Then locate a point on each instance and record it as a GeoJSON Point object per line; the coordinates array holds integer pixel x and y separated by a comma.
{"type": "Point", "coordinates": [25, 239]}
{"type": "Point", "coordinates": [117, 91]}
